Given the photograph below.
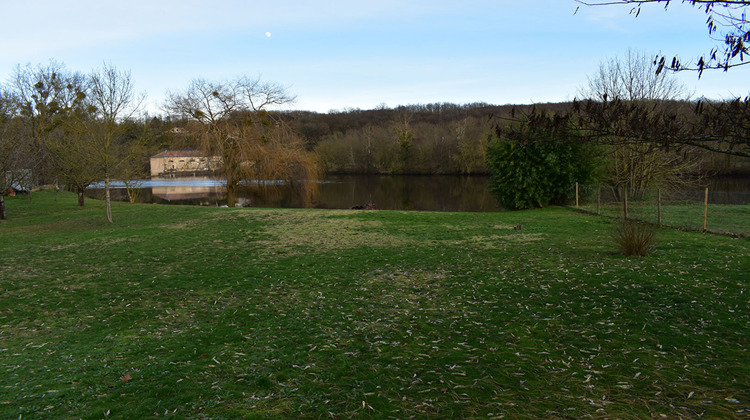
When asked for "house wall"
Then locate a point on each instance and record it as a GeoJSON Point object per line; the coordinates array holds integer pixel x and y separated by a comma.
{"type": "Point", "coordinates": [161, 165]}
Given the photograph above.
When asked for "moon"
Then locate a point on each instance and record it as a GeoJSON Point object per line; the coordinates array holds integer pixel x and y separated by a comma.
{"type": "Point", "coordinates": [268, 34]}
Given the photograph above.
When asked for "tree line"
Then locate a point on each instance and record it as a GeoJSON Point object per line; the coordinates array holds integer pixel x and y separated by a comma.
{"type": "Point", "coordinates": [629, 127]}
{"type": "Point", "coordinates": [436, 138]}
{"type": "Point", "coordinates": [74, 129]}
{"type": "Point", "coordinates": [632, 129]}
{"type": "Point", "coordinates": [67, 127]}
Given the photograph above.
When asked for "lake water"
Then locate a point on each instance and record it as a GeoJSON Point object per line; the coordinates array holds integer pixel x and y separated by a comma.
{"type": "Point", "coordinates": [396, 192]}
{"type": "Point", "coordinates": [436, 193]}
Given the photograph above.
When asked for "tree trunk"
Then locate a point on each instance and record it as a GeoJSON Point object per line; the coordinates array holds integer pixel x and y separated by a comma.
{"type": "Point", "coordinates": [232, 187]}
{"type": "Point", "coordinates": [80, 197]}
{"type": "Point", "coordinates": [2, 207]}
{"type": "Point", "coordinates": [107, 199]}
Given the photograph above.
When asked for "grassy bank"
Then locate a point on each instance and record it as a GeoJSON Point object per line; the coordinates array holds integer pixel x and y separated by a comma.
{"type": "Point", "coordinates": [197, 312]}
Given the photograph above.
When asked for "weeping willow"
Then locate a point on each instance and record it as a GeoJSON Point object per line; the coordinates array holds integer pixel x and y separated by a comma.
{"type": "Point", "coordinates": [258, 151]}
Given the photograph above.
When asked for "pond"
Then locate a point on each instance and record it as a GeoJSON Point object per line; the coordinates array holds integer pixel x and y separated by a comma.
{"type": "Point", "coordinates": [386, 192]}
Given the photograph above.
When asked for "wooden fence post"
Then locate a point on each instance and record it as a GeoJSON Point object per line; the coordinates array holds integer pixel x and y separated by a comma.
{"type": "Point", "coordinates": [705, 210]}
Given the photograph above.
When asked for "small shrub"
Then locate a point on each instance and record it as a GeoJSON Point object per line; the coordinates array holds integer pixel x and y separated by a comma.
{"type": "Point", "coordinates": [634, 238]}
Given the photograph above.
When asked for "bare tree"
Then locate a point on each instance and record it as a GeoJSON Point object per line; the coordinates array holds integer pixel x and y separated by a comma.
{"type": "Point", "coordinates": [727, 23]}
{"type": "Point", "coordinates": [632, 78]}
{"type": "Point", "coordinates": [404, 135]}
{"type": "Point", "coordinates": [72, 150]}
{"type": "Point", "coordinates": [259, 96]}
{"type": "Point", "coordinates": [209, 106]}
{"type": "Point", "coordinates": [113, 99]}
{"type": "Point", "coordinates": [69, 145]}
{"type": "Point", "coordinates": [14, 148]}
{"type": "Point", "coordinates": [54, 117]}
{"type": "Point", "coordinates": [627, 92]}
{"type": "Point", "coordinates": [231, 120]}
{"type": "Point", "coordinates": [471, 144]}
{"type": "Point", "coordinates": [43, 94]}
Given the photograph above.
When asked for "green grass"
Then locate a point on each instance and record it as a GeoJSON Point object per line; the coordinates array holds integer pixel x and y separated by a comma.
{"type": "Point", "coordinates": [721, 218]}
{"type": "Point", "coordinates": [679, 209]}
{"type": "Point", "coordinates": [192, 312]}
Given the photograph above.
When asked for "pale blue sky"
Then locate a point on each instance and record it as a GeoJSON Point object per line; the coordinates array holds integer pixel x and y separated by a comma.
{"type": "Point", "coordinates": [338, 54]}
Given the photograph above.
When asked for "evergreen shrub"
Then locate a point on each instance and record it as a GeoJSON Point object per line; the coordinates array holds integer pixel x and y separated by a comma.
{"type": "Point", "coordinates": [537, 173]}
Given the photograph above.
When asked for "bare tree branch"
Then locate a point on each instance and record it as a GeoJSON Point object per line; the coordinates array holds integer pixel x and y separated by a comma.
{"type": "Point", "coordinates": [114, 100]}
{"type": "Point", "coordinates": [230, 120]}
{"type": "Point", "coordinates": [727, 17]}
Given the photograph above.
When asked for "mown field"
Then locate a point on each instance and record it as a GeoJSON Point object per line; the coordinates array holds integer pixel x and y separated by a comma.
{"type": "Point", "coordinates": [721, 218]}
{"type": "Point", "coordinates": [217, 313]}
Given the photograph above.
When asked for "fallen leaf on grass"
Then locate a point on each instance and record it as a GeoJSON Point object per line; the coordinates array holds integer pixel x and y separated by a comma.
{"type": "Point", "coordinates": [126, 377]}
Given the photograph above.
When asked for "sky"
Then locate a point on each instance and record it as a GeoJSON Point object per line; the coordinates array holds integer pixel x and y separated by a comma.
{"type": "Point", "coordinates": [344, 54]}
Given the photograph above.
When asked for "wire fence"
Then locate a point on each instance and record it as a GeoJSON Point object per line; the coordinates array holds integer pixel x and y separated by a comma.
{"type": "Point", "coordinates": [725, 212]}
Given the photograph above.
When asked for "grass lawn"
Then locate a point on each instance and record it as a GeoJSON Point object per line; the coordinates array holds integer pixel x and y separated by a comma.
{"type": "Point", "coordinates": [194, 312]}
{"type": "Point", "coordinates": [721, 218]}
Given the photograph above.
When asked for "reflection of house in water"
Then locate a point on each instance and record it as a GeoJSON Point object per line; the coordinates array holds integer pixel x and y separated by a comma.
{"type": "Point", "coordinates": [183, 162]}
{"type": "Point", "coordinates": [192, 189]}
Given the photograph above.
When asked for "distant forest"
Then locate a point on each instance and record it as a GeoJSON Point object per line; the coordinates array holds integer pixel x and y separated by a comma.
{"type": "Point", "coordinates": [440, 138]}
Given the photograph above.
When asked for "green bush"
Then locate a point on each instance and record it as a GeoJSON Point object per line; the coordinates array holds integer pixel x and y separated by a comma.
{"type": "Point", "coordinates": [527, 174]}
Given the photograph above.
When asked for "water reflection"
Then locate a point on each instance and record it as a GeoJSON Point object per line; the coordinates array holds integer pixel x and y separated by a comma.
{"type": "Point", "coordinates": [425, 193]}
{"type": "Point", "coordinates": [176, 189]}
{"type": "Point", "coordinates": [431, 193]}
{"type": "Point", "coordinates": [436, 193]}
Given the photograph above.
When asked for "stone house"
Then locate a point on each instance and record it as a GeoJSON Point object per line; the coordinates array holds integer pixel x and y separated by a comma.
{"type": "Point", "coordinates": [183, 162]}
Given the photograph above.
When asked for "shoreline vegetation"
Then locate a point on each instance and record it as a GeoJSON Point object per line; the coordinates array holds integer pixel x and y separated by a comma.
{"type": "Point", "coordinates": [200, 312]}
